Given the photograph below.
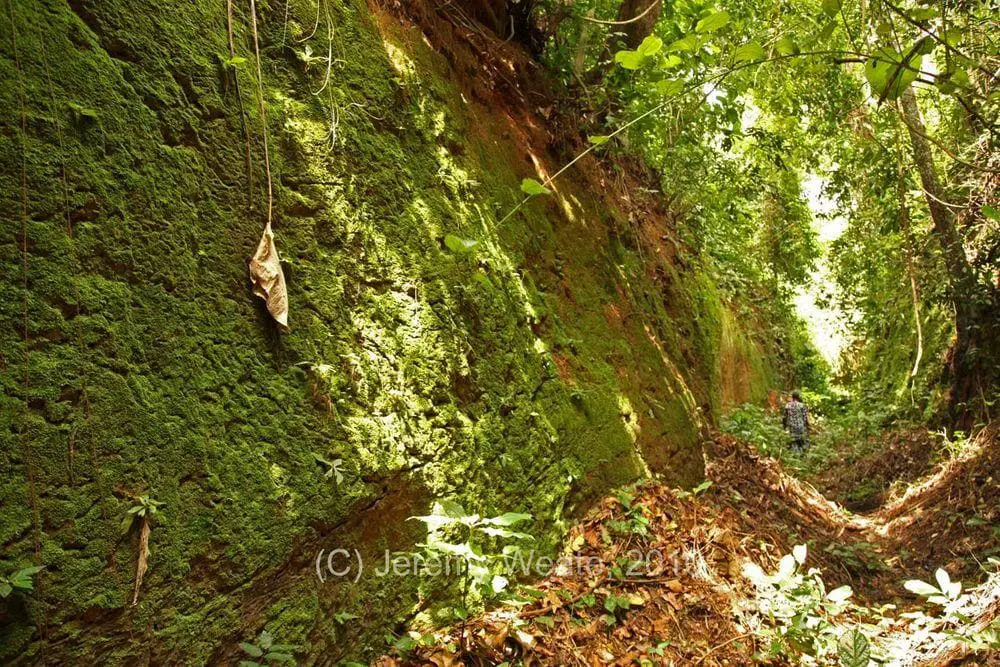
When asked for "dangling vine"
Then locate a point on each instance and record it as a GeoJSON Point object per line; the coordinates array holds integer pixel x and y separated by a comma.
{"type": "Point", "coordinates": [25, 432]}
{"type": "Point", "coordinates": [239, 96]}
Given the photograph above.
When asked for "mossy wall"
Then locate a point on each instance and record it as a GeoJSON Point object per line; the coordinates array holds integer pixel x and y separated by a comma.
{"type": "Point", "coordinates": [552, 363]}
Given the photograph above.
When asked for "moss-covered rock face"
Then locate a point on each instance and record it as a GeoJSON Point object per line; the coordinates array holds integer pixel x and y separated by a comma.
{"type": "Point", "coordinates": [550, 363]}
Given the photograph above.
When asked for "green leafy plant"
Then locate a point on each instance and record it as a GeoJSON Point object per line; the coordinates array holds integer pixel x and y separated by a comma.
{"type": "Point", "coordinates": [82, 113]}
{"type": "Point", "coordinates": [144, 509]}
{"type": "Point", "coordinates": [853, 649]}
{"type": "Point", "coordinates": [265, 652]}
{"type": "Point", "coordinates": [531, 187]}
{"type": "Point", "coordinates": [334, 468]}
{"type": "Point", "coordinates": [456, 536]}
{"type": "Point", "coordinates": [458, 245]}
{"type": "Point", "coordinates": [798, 610]}
{"type": "Point", "coordinates": [946, 593]}
{"type": "Point", "coordinates": [20, 580]}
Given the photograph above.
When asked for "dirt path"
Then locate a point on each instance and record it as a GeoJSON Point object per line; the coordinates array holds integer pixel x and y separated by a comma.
{"type": "Point", "coordinates": [657, 576]}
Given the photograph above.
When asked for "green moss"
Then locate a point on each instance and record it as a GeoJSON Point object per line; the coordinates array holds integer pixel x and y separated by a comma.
{"type": "Point", "coordinates": [535, 375]}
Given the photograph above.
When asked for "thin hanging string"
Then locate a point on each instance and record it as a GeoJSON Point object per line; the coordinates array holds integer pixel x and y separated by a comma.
{"type": "Point", "coordinates": [263, 114]}
{"type": "Point", "coordinates": [239, 97]}
{"type": "Point", "coordinates": [28, 462]}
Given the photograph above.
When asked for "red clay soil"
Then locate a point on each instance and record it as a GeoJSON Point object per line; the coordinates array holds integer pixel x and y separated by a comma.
{"type": "Point", "coordinates": [680, 600]}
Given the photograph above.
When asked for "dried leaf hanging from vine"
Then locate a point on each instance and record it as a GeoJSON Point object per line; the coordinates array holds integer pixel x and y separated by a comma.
{"type": "Point", "coordinates": [268, 278]}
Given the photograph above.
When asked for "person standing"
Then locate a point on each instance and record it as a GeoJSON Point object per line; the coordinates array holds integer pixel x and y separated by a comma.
{"type": "Point", "coordinates": [795, 419]}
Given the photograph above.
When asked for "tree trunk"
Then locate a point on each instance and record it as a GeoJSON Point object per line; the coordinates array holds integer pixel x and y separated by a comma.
{"type": "Point", "coordinates": [973, 356]}
{"type": "Point", "coordinates": [959, 270]}
{"type": "Point", "coordinates": [904, 225]}
{"type": "Point", "coordinates": [638, 30]}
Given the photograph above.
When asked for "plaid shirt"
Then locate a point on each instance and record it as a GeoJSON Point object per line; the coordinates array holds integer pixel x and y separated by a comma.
{"type": "Point", "coordinates": [796, 417]}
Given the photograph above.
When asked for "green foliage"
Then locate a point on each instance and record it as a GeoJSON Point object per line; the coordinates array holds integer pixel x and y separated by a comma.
{"type": "Point", "coordinates": [753, 425]}
{"type": "Point", "coordinates": [889, 75]}
{"type": "Point", "coordinates": [145, 507]}
{"type": "Point", "coordinates": [458, 245]}
{"type": "Point", "coordinates": [265, 652]}
{"type": "Point", "coordinates": [20, 580]}
{"type": "Point", "coordinates": [800, 613]}
{"type": "Point", "coordinates": [453, 535]}
{"type": "Point", "coordinates": [334, 468]}
{"type": "Point", "coordinates": [853, 649]}
{"type": "Point", "coordinates": [713, 22]}
{"type": "Point", "coordinates": [531, 187]}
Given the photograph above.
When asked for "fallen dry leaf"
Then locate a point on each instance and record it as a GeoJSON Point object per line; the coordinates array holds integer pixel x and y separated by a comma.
{"type": "Point", "coordinates": [268, 278]}
{"type": "Point", "coordinates": [140, 568]}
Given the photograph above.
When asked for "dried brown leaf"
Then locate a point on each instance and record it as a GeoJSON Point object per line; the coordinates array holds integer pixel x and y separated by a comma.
{"type": "Point", "coordinates": [140, 568]}
{"type": "Point", "coordinates": [268, 278]}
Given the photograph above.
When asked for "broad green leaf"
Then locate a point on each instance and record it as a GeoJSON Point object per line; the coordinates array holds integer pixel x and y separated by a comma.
{"type": "Point", "coordinates": [459, 245]}
{"type": "Point", "coordinates": [926, 46]}
{"type": "Point", "coordinates": [827, 30]}
{"type": "Point", "coordinates": [251, 649]}
{"type": "Point", "coordinates": [28, 572]}
{"type": "Point", "coordinates": [853, 649]}
{"type": "Point", "coordinates": [450, 508]}
{"type": "Point", "coordinates": [483, 280]}
{"type": "Point", "coordinates": [274, 656]}
{"type": "Point", "coordinates": [831, 7]}
{"type": "Point", "coordinates": [990, 212]}
{"type": "Point", "coordinates": [669, 87]}
{"type": "Point", "coordinates": [82, 111]}
{"type": "Point", "coordinates": [405, 644]}
{"type": "Point", "coordinates": [922, 13]}
{"type": "Point", "coordinates": [749, 52]}
{"type": "Point", "coordinates": [650, 46]}
{"type": "Point", "coordinates": [530, 186]}
{"type": "Point", "coordinates": [686, 43]}
{"type": "Point", "coordinates": [920, 587]}
{"type": "Point", "coordinates": [510, 519]}
{"type": "Point", "coordinates": [5, 589]}
{"type": "Point", "coordinates": [786, 46]}
{"type": "Point", "coordinates": [629, 59]}
{"type": "Point", "coordinates": [888, 78]}
{"type": "Point", "coordinates": [265, 640]}
{"type": "Point", "coordinates": [671, 61]}
{"type": "Point", "coordinates": [953, 36]}
{"type": "Point", "coordinates": [598, 139]}
{"type": "Point", "coordinates": [712, 22]}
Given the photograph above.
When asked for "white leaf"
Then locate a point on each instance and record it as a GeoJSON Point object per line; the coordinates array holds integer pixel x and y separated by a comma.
{"type": "Point", "coordinates": [800, 553]}
{"type": "Point", "coordinates": [839, 594]}
{"type": "Point", "coordinates": [919, 587]}
{"type": "Point", "coordinates": [786, 567]}
{"type": "Point", "coordinates": [944, 581]}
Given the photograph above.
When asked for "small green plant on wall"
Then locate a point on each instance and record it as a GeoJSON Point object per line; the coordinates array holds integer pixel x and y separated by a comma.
{"type": "Point", "coordinates": [265, 652]}
{"type": "Point", "coordinates": [455, 536]}
{"type": "Point", "coordinates": [23, 580]}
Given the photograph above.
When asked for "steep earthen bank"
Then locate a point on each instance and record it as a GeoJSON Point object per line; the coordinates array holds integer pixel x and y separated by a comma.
{"type": "Point", "coordinates": [578, 345]}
